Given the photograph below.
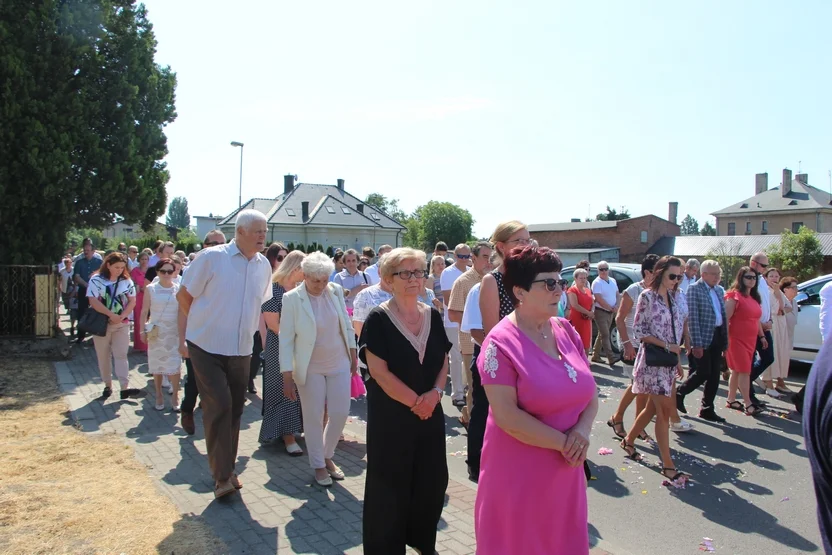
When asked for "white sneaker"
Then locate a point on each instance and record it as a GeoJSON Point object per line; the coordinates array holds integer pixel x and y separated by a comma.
{"type": "Point", "coordinates": [681, 426]}
{"type": "Point", "coordinates": [165, 381]}
{"type": "Point", "coordinates": [773, 393]}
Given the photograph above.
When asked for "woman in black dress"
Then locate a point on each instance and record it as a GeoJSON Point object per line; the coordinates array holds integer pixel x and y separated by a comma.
{"type": "Point", "coordinates": [406, 350]}
{"type": "Point", "coordinates": [281, 415]}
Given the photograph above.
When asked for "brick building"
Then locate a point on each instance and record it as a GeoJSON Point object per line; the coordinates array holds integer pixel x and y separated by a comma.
{"type": "Point", "coordinates": [632, 238]}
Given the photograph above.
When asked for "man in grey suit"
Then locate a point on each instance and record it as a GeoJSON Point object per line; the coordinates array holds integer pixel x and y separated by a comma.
{"type": "Point", "coordinates": [708, 327]}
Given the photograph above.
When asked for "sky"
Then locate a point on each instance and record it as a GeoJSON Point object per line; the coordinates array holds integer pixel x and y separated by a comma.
{"type": "Point", "coordinates": [540, 111]}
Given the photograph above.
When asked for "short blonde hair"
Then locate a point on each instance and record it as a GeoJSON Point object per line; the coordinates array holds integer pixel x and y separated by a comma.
{"type": "Point", "coordinates": [436, 259]}
{"type": "Point", "coordinates": [291, 263]}
{"type": "Point", "coordinates": [395, 258]}
{"type": "Point", "coordinates": [580, 272]}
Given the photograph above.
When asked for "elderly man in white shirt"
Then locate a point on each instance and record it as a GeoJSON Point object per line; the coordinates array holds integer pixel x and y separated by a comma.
{"type": "Point", "coordinates": [221, 295]}
{"type": "Point", "coordinates": [690, 275]}
{"type": "Point", "coordinates": [372, 271]}
{"type": "Point", "coordinates": [826, 312]}
{"type": "Point", "coordinates": [607, 296]}
{"type": "Point", "coordinates": [759, 263]}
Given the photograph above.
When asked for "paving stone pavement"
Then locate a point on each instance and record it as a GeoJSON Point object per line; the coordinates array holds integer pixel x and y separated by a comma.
{"type": "Point", "coordinates": [280, 509]}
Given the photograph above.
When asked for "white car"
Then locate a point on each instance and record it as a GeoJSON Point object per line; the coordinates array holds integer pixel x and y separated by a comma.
{"type": "Point", "coordinates": [807, 340]}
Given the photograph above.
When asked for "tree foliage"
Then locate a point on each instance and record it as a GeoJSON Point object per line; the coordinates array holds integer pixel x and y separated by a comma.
{"type": "Point", "coordinates": [83, 106]}
{"type": "Point", "coordinates": [690, 226]}
{"type": "Point", "coordinates": [708, 230]}
{"type": "Point", "coordinates": [442, 221]}
{"type": "Point", "coordinates": [797, 254]}
{"type": "Point", "coordinates": [612, 214]}
{"type": "Point", "coordinates": [729, 260]}
{"type": "Point", "coordinates": [389, 206]}
{"type": "Point", "coordinates": [178, 215]}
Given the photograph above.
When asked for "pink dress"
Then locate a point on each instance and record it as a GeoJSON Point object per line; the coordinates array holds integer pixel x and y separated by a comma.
{"type": "Point", "coordinates": [529, 500]}
{"type": "Point", "coordinates": [137, 275]}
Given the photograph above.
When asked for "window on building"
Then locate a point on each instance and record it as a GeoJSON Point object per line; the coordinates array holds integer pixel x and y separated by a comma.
{"type": "Point", "coordinates": [764, 229]}
{"type": "Point", "coordinates": [345, 210]}
{"type": "Point", "coordinates": [330, 209]}
{"type": "Point", "coordinates": [290, 212]}
{"type": "Point", "coordinates": [375, 216]}
{"type": "Point", "coordinates": [732, 228]}
{"type": "Point", "coordinates": [643, 236]}
{"type": "Point", "coordinates": [748, 228]}
{"type": "Point", "coordinates": [796, 226]}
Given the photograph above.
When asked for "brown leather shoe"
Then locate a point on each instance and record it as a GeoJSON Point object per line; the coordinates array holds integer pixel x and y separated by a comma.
{"type": "Point", "coordinates": [187, 422]}
{"type": "Point", "coordinates": [221, 489]}
{"type": "Point", "coordinates": [235, 481]}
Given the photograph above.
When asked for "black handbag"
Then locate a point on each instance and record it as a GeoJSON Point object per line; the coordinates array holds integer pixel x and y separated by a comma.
{"type": "Point", "coordinates": [658, 356]}
{"type": "Point", "coordinates": [95, 323]}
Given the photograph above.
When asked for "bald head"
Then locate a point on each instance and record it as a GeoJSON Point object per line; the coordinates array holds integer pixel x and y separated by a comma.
{"type": "Point", "coordinates": [759, 262]}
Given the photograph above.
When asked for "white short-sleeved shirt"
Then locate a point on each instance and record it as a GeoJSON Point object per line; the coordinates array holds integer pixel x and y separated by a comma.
{"type": "Point", "coordinates": [826, 312]}
{"type": "Point", "coordinates": [228, 291]}
{"type": "Point", "coordinates": [372, 274]}
{"type": "Point", "coordinates": [765, 297]}
{"type": "Point", "coordinates": [608, 290]}
{"type": "Point", "coordinates": [446, 282]}
{"type": "Point", "coordinates": [471, 316]}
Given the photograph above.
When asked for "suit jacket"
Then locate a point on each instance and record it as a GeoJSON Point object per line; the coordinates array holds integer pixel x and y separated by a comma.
{"type": "Point", "coordinates": [298, 330]}
{"type": "Point", "coordinates": [701, 316]}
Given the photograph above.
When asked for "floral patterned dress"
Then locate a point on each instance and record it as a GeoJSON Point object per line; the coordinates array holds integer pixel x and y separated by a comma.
{"type": "Point", "coordinates": [653, 319]}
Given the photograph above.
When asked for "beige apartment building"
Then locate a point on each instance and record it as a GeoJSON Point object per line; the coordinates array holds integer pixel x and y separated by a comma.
{"type": "Point", "coordinates": [793, 205]}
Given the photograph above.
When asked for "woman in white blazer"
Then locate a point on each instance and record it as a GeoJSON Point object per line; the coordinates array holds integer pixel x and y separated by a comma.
{"type": "Point", "coordinates": [317, 353]}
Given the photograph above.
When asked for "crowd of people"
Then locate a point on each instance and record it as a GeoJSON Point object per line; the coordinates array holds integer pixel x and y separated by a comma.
{"type": "Point", "coordinates": [497, 318]}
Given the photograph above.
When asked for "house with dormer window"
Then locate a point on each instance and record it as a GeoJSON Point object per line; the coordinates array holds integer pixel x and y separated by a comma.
{"type": "Point", "coordinates": [792, 205]}
{"type": "Point", "coordinates": [327, 215]}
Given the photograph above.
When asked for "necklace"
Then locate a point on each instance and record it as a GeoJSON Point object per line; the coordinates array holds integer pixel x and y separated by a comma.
{"type": "Point", "coordinates": [404, 317]}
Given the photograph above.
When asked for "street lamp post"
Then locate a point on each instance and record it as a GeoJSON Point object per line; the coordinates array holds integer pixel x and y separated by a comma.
{"type": "Point", "coordinates": [239, 144]}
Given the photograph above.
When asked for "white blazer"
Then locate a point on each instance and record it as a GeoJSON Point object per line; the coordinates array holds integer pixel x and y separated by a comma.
{"type": "Point", "coordinates": [298, 330]}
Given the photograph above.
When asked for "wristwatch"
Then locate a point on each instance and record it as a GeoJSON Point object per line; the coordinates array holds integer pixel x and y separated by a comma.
{"type": "Point", "coordinates": [440, 392]}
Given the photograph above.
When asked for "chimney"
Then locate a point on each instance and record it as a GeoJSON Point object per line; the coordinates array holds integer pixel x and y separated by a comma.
{"type": "Point", "coordinates": [304, 210]}
{"type": "Point", "coordinates": [340, 184]}
{"type": "Point", "coordinates": [288, 184]}
{"type": "Point", "coordinates": [672, 212]}
{"type": "Point", "coordinates": [359, 208]}
{"type": "Point", "coordinates": [786, 188]}
{"type": "Point", "coordinates": [761, 183]}
{"type": "Point", "coordinates": [803, 178]}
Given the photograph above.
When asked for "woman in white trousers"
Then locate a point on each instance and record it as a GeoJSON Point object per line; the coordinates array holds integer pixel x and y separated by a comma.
{"type": "Point", "coordinates": [317, 353]}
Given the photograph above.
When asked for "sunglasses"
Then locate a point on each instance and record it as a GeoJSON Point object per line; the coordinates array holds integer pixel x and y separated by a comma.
{"type": "Point", "coordinates": [407, 274]}
{"type": "Point", "coordinates": [675, 277]}
{"type": "Point", "coordinates": [212, 243]}
{"type": "Point", "coordinates": [167, 272]}
{"type": "Point", "coordinates": [280, 257]}
{"type": "Point", "coordinates": [749, 277]}
{"type": "Point", "coordinates": [761, 265]}
{"type": "Point", "coordinates": [463, 256]}
{"type": "Point", "coordinates": [551, 283]}
{"type": "Point", "coordinates": [603, 269]}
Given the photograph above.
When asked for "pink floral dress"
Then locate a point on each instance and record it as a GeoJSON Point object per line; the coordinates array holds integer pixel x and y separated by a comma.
{"type": "Point", "coordinates": [529, 500]}
{"type": "Point", "coordinates": [653, 319]}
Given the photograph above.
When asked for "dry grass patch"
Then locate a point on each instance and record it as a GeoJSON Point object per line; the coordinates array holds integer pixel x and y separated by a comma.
{"type": "Point", "coordinates": [63, 491]}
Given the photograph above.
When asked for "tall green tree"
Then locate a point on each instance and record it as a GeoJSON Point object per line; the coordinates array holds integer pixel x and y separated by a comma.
{"type": "Point", "coordinates": [690, 226]}
{"type": "Point", "coordinates": [798, 254]}
{"type": "Point", "coordinates": [708, 230]}
{"type": "Point", "coordinates": [83, 107]}
{"type": "Point", "coordinates": [443, 221]}
{"type": "Point", "coordinates": [178, 215]}
{"type": "Point", "coordinates": [612, 214]}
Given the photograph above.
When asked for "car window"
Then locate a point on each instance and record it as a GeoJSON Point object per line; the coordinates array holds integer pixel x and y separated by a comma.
{"type": "Point", "coordinates": [813, 292]}
{"type": "Point", "coordinates": [623, 280]}
{"type": "Point", "coordinates": [568, 276]}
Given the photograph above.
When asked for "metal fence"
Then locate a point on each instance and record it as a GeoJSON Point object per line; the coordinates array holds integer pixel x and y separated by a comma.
{"type": "Point", "coordinates": [28, 301]}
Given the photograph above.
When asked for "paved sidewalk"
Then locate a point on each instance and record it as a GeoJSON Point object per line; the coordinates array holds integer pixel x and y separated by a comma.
{"type": "Point", "coordinates": [280, 509]}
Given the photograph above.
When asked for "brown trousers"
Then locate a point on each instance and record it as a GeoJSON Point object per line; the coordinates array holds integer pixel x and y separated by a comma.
{"type": "Point", "coordinates": [222, 382]}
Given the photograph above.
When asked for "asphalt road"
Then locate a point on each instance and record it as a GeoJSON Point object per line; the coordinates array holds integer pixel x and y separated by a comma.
{"type": "Point", "coordinates": [751, 490]}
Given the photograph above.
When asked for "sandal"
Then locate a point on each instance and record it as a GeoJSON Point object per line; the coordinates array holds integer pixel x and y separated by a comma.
{"type": "Point", "coordinates": [645, 437]}
{"type": "Point", "coordinates": [677, 474]}
{"type": "Point", "coordinates": [615, 425]}
{"type": "Point", "coordinates": [757, 409]}
{"type": "Point", "coordinates": [735, 405]}
{"type": "Point", "coordinates": [632, 455]}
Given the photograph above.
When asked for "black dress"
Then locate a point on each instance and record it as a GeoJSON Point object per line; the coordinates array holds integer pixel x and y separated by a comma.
{"type": "Point", "coordinates": [407, 469]}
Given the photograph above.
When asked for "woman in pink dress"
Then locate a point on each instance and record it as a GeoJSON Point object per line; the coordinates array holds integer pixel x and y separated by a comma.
{"type": "Point", "coordinates": [137, 275]}
{"type": "Point", "coordinates": [543, 402]}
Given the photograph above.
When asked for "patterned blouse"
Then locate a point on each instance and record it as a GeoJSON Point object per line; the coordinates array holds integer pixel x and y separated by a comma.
{"type": "Point", "coordinates": [653, 319]}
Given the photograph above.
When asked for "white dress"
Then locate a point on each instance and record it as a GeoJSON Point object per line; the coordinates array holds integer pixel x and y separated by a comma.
{"type": "Point", "coordinates": [163, 352]}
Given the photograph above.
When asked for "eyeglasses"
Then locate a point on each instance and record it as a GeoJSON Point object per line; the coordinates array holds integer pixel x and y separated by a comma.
{"type": "Point", "coordinates": [167, 272]}
{"type": "Point", "coordinates": [603, 269]}
{"type": "Point", "coordinates": [463, 256]}
{"type": "Point", "coordinates": [407, 274]}
{"type": "Point", "coordinates": [552, 283]}
{"type": "Point", "coordinates": [520, 241]}
{"type": "Point", "coordinates": [675, 277]}
{"type": "Point", "coordinates": [792, 286]}
{"type": "Point", "coordinates": [212, 243]}
{"type": "Point", "coordinates": [750, 277]}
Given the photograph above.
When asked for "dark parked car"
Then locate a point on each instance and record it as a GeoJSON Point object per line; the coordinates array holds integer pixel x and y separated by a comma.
{"type": "Point", "coordinates": [624, 275]}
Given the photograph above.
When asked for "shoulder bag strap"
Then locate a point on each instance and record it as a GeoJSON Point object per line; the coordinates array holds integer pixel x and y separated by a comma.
{"type": "Point", "coordinates": [672, 318]}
